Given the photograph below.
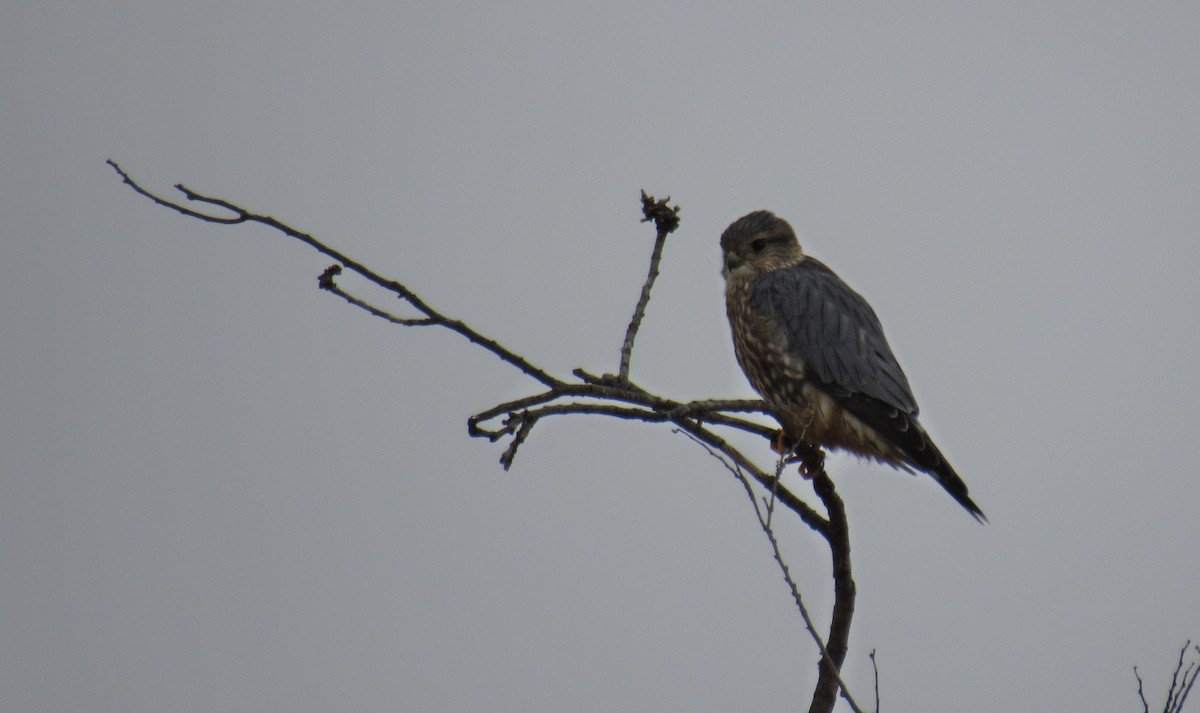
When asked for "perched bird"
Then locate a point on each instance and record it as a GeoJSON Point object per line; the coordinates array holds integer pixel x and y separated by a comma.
{"type": "Point", "coordinates": [815, 351]}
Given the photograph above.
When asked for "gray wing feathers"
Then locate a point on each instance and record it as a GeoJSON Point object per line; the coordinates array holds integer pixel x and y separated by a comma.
{"type": "Point", "coordinates": [833, 330]}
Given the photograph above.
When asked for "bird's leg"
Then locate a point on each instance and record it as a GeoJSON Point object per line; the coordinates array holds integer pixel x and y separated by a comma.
{"type": "Point", "coordinates": [782, 442]}
{"type": "Point", "coordinates": [810, 457]}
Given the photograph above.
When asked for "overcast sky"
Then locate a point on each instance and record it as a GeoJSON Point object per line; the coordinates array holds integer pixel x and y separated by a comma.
{"type": "Point", "coordinates": [222, 489]}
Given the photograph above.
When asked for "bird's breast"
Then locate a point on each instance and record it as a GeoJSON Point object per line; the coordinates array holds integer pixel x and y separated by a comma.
{"type": "Point", "coordinates": [775, 373]}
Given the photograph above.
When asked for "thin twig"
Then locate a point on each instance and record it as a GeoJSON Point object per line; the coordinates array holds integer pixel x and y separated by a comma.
{"type": "Point", "coordinates": [1141, 692]}
{"type": "Point", "coordinates": [1172, 692]}
{"type": "Point", "coordinates": [666, 220]}
{"type": "Point", "coordinates": [763, 514]}
{"type": "Point", "coordinates": [524, 428]}
{"type": "Point", "coordinates": [780, 464]}
{"type": "Point", "coordinates": [803, 510]}
{"type": "Point", "coordinates": [522, 423]}
{"type": "Point", "coordinates": [597, 388]}
{"type": "Point", "coordinates": [327, 283]}
{"type": "Point", "coordinates": [875, 667]}
{"type": "Point", "coordinates": [241, 215]}
{"type": "Point", "coordinates": [1195, 672]}
{"type": "Point", "coordinates": [1182, 681]}
{"type": "Point", "coordinates": [1179, 693]}
{"type": "Point", "coordinates": [526, 412]}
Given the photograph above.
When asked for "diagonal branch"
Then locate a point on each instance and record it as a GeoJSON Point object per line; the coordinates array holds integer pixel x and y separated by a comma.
{"type": "Point", "coordinates": [241, 215]}
{"type": "Point", "coordinates": [238, 217]}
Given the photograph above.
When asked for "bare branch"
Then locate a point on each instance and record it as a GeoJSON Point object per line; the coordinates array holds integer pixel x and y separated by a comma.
{"type": "Point", "coordinates": [525, 420]}
{"type": "Point", "coordinates": [706, 405]}
{"type": "Point", "coordinates": [844, 591]}
{"type": "Point", "coordinates": [1182, 681]}
{"type": "Point", "coordinates": [326, 282]}
{"type": "Point", "coordinates": [645, 408]}
{"type": "Point", "coordinates": [875, 668]}
{"type": "Point", "coordinates": [666, 219]}
{"type": "Point", "coordinates": [825, 694]}
{"type": "Point", "coordinates": [764, 521]}
{"type": "Point", "coordinates": [802, 509]}
{"type": "Point", "coordinates": [245, 216]}
{"type": "Point", "coordinates": [614, 396]}
{"type": "Point", "coordinates": [658, 409]}
{"type": "Point", "coordinates": [239, 218]}
{"type": "Point", "coordinates": [1192, 668]}
{"type": "Point", "coordinates": [610, 388]}
{"type": "Point", "coordinates": [1181, 686]}
{"type": "Point", "coordinates": [1141, 692]}
{"type": "Point", "coordinates": [524, 426]}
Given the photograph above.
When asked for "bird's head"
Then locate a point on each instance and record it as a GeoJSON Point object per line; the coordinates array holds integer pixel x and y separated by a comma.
{"type": "Point", "coordinates": [758, 243]}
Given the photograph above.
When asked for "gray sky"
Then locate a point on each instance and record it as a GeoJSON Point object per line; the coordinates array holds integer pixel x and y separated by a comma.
{"type": "Point", "coordinates": [223, 490]}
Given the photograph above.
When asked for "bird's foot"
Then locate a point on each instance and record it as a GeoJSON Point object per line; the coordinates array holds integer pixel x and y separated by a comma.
{"type": "Point", "coordinates": [812, 460]}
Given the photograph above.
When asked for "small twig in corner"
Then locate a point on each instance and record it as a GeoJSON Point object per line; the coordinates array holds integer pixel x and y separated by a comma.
{"type": "Point", "coordinates": [1182, 681]}
{"type": "Point", "coordinates": [875, 667]}
{"type": "Point", "coordinates": [1141, 692]}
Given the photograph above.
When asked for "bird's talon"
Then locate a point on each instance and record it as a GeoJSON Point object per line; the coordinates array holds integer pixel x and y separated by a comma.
{"type": "Point", "coordinates": [812, 461]}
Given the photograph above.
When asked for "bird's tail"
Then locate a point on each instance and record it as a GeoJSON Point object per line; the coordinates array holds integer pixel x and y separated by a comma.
{"type": "Point", "coordinates": [913, 448]}
{"type": "Point", "coordinates": [926, 456]}
{"type": "Point", "coordinates": [948, 479]}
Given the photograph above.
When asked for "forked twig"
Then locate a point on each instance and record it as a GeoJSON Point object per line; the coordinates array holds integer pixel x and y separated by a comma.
{"type": "Point", "coordinates": [432, 316]}
{"type": "Point", "coordinates": [1182, 681]}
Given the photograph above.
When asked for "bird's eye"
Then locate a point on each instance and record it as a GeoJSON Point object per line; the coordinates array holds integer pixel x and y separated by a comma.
{"type": "Point", "coordinates": [758, 245]}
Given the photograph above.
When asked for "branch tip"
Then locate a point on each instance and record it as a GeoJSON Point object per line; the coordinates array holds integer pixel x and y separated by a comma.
{"type": "Point", "coordinates": [325, 281]}
{"type": "Point", "coordinates": [664, 216]}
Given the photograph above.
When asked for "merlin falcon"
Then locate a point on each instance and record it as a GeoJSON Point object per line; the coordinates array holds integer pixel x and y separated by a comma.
{"type": "Point", "coordinates": [815, 351]}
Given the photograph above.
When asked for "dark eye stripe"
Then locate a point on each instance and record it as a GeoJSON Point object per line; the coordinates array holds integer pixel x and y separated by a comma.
{"type": "Point", "coordinates": [760, 244]}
